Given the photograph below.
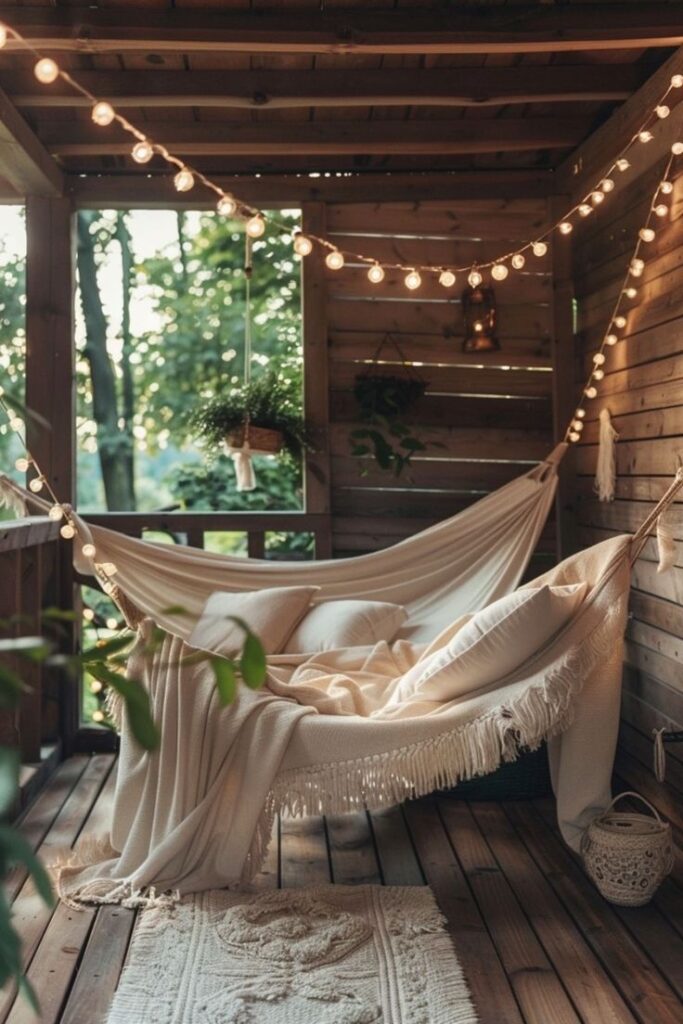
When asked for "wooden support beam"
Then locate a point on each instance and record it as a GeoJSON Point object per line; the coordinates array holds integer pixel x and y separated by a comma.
{"type": "Point", "coordinates": [127, 191]}
{"type": "Point", "coordinates": [24, 162]}
{"type": "Point", "coordinates": [196, 138]}
{"type": "Point", "coordinates": [533, 28]}
{"type": "Point", "coordinates": [356, 87]}
{"type": "Point", "coordinates": [591, 160]}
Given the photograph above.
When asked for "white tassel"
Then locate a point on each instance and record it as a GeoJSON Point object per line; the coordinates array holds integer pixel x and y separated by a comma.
{"type": "Point", "coordinates": [659, 755]}
{"type": "Point", "coordinates": [666, 544]}
{"type": "Point", "coordinates": [11, 497]}
{"type": "Point", "coordinates": [244, 469]}
{"type": "Point", "coordinates": [606, 472]}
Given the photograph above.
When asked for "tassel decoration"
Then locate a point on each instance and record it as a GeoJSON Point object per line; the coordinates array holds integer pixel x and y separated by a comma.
{"type": "Point", "coordinates": [244, 469]}
{"type": "Point", "coordinates": [659, 755]}
{"type": "Point", "coordinates": [11, 497]}
{"type": "Point", "coordinates": [606, 472]}
{"type": "Point", "coordinates": [666, 544]}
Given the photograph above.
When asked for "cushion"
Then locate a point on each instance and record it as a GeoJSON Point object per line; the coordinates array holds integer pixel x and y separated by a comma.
{"type": "Point", "coordinates": [492, 644]}
{"type": "Point", "coordinates": [271, 613]}
{"type": "Point", "coordinates": [335, 624]}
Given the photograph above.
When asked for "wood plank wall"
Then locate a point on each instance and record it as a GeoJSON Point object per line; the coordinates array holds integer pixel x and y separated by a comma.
{"type": "Point", "coordinates": [491, 414]}
{"type": "Point", "coordinates": [643, 390]}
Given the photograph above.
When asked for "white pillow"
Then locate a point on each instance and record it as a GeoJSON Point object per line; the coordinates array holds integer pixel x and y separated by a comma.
{"type": "Point", "coordinates": [492, 644]}
{"type": "Point", "coordinates": [333, 624]}
{"type": "Point", "coordinates": [271, 613]}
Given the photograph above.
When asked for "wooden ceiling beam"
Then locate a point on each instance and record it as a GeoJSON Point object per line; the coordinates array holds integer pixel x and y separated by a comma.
{"type": "Point", "coordinates": [458, 87]}
{"type": "Point", "coordinates": [532, 28]}
{"type": "Point", "coordinates": [24, 162]}
{"type": "Point", "coordinates": [217, 138]}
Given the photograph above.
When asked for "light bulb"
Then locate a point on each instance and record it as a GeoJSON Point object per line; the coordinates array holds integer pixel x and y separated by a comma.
{"type": "Point", "coordinates": [67, 531]}
{"type": "Point", "coordinates": [539, 248]}
{"type": "Point", "coordinates": [376, 273]}
{"type": "Point", "coordinates": [95, 686]}
{"type": "Point", "coordinates": [183, 180]}
{"type": "Point", "coordinates": [518, 261]}
{"type": "Point", "coordinates": [36, 484]}
{"type": "Point", "coordinates": [630, 292]}
{"type": "Point", "coordinates": [677, 148]}
{"type": "Point", "coordinates": [573, 436]}
{"type": "Point", "coordinates": [676, 81]}
{"type": "Point", "coordinates": [142, 152]}
{"type": "Point", "coordinates": [585, 210]}
{"type": "Point", "coordinates": [666, 188]}
{"type": "Point", "coordinates": [56, 513]}
{"type": "Point", "coordinates": [620, 322]}
{"type": "Point", "coordinates": [447, 278]}
{"type": "Point", "coordinates": [647, 234]}
{"type": "Point", "coordinates": [335, 259]}
{"type": "Point", "coordinates": [662, 111]}
{"type": "Point", "coordinates": [581, 413]}
{"type": "Point", "coordinates": [3, 35]}
{"type": "Point", "coordinates": [16, 423]}
{"type": "Point", "coordinates": [88, 551]}
{"type": "Point", "coordinates": [645, 136]}
{"type": "Point", "coordinates": [566, 227]}
{"type": "Point", "coordinates": [474, 278]}
{"type": "Point", "coordinates": [607, 185]}
{"type": "Point", "coordinates": [590, 391]}
{"type": "Point", "coordinates": [103, 113]}
{"type": "Point", "coordinates": [622, 164]}
{"type": "Point", "coordinates": [637, 266]}
{"type": "Point", "coordinates": [499, 271]}
{"type": "Point", "coordinates": [98, 716]}
{"type": "Point", "coordinates": [21, 464]}
{"type": "Point", "coordinates": [255, 226]}
{"type": "Point", "coordinates": [413, 280]}
{"type": "Point", "coordinates": [599, 358]}
{"type": "Point", "coordinates": [611, 339]}
{"type": "Point", "coordinates": [597, 198]}
{"type": "Point", "coordinates": [46, 71]}
{"type": "Point", "coordinates": [598, 374]}
{"type": "Point", "coordinates": [577, 425]}
{"type": "Point", "coordinates": [302, 244]}
{"type": "Point", "coordinates": [661, 210]}
{"type": "Point", "coordinates": [112, 623]}
{"type": "Point", "coordinates": [226, 205]}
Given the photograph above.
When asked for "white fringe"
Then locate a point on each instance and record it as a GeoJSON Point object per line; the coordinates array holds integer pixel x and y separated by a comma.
{"type": "Point", "coordinates": [666, 544]}
{"type": "Point", "coordinates": [606, 471]}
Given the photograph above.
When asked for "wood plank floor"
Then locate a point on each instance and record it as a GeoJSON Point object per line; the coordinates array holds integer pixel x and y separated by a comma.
{"type": "Point", "coordinates": [537, 943]}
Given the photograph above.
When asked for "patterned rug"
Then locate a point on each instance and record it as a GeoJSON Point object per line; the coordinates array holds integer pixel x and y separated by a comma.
{"type": "Point", "coordinates": [326, 955]}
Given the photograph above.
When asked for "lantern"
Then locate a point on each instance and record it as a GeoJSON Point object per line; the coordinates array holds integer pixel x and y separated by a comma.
{"type": "Point", "coordinates": [479, 314]}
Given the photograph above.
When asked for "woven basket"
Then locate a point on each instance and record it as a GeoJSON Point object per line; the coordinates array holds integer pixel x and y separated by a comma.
{"type": "Point", "coordinates": [628, 855]}
{"type": "Point", "coordinates": [261, 440]}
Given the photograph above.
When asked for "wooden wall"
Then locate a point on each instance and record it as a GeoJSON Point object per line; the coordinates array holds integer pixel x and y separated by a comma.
{"type": "Point", "coordinates": [643, 390]}
{"type": "Point", "coordinates": [491, 415]}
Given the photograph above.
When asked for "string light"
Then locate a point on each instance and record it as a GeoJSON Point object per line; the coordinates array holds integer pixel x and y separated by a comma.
{"type": "Point", "coordinates": [16, 424]}
{"type": "Point", "coordinates": [607, 185]}
{"type": "Point", "coordinates": [622, 164]}
{"type": "Point", "coordinates": [566, 227]}
{"type": "Point", "coordinates": [255, 226]}
{"type": "Point", "coordinates": [46, 71]}
{"type": "Point", "coordinates": [599, 358]}
{"type": "Point", "coordinates": [630, 292]}
{"type": "Point", "coordinates": [56, 512]}
{"type": "Point", "coordinates": [611, 339]}
{"type": "Point", "coordinates": [584, 211]}
{"type": "Point", "coordinates": [21, 464]}
{"type": "Point", "coordinates": [376, 274]}
{"type": "Point", "coordinates": [142, 152]}
{"type": "Point", "coordinates": [335, 259]}
{"type": "Point", "coordinates": [474, 278]}
{"type": "Point", "coordinates": [661, 210]}
{"type": "Point", "coordinates": [68, 531]}
{"type": "Point", "coordinates": [620, 322]}
{"type": "Point", "coordinates": [647, 234]}
{"type": "Point", "coordinates": [518, 261]}
{"type": "Point", "coordinates": [98, 716]}
{"type": "Point", "coordinates": [539, 248]}
{"type": "Point", "coordinates": [677, 148]}
{"type": "Point", "coordinates": [598, 374]}
{"type": "Point", "coordinates": [88, 551]}
{"type": "Point", "coordinates": [499, 271]}
{"type": "Point", "coordinates": [637, 266]}
{"type": "Point", "coordinates": [226, 205]}
{"type": "Point", "coordinates": [303, 246]}
{"type": "Point", "coordinates": [645, 136]}
{"type": "Point", "coordinates": [96, 685]}
{"type": "Point", "coordinates": [183, 180]}
{"type": "Point", "coordinates": [36, 485]}
{"type": "Point", "coordinates": [103, 113]}
{"type": "Point", "coordinates": [590, 391]}
{"type": "Point", "coordinates": [412, 280]}
{"type": "Point", "coordinates": [597, 197]}
{"type": "Point", "coordinates": [676, 81]}
{"type": "Point", "coordinates": [447, 278]}
{"type": "Point", "coordinates": [662, 111]}
{"type": "Point", "coordinates": [666, 187]}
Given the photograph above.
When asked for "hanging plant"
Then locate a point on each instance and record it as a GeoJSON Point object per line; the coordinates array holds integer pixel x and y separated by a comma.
{"type": "Point", "coordinates": [383, 400]}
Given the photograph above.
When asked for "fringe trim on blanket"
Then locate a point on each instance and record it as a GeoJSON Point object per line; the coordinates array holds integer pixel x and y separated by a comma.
{"type": "Point", "coordinates": [382, 780]}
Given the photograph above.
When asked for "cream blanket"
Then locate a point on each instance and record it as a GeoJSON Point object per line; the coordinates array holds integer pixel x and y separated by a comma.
{"type": "Point", "coordinates": [197, 813]}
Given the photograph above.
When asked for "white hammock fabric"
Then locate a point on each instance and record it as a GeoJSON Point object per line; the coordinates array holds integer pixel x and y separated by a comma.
{"type": "Point", "coordinates": [197, 813]}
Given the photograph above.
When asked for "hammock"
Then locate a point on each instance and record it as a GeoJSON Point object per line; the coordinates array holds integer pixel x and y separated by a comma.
{"type": "Point", "coordinates": [198, 812]}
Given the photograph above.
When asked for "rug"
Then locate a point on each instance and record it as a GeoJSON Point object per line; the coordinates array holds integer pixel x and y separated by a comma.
{"type": "Point", "coordinates": [329, 954]}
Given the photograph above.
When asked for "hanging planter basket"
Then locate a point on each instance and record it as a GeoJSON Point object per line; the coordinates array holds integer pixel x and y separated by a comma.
{"type": "Point", "coordinates": [259, 440]}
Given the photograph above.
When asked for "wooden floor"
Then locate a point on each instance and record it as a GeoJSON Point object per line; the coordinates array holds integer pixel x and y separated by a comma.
{"type": "Point", "coordinates": [536, 941]}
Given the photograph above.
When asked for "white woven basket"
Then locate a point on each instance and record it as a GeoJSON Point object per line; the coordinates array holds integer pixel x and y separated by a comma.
{"type": "Point", "coordinates": [628, 855]}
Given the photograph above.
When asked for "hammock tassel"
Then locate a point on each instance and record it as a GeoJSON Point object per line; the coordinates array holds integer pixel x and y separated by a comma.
{"type": "Point", "coordinates": [244, 469]}
{"type": "Point", "coordinates": [666, 544]}
{"type": "Point", "coordinates": [11, 498]}
{"type": "Point", "coordinates": [606, 472]}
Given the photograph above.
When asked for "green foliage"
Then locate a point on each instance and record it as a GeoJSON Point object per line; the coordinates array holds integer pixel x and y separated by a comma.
{"type": "Point", "coordinates": [382, 401]}
{"type": "Point", "coordinates": [271, 400]}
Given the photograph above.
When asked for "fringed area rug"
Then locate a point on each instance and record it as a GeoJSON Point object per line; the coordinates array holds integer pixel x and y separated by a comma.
{"type": "Point", "coordinates": [326, 955]}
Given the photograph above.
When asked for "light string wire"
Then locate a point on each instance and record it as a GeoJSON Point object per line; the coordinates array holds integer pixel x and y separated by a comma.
{"type": "Point", "coordinates": [229, 205]}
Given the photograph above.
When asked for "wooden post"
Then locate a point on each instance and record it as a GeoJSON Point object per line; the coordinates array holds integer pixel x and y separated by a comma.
{"type": "Point", "coordinates": [50, 381]}
{"type": "Point", "coordinates": [564, 377]}
{"type": "Point", "coordinates": [316, 379]}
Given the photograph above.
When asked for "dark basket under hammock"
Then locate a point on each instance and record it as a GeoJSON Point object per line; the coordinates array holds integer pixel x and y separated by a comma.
{"type": "Point", "coordinates": [527, 778]}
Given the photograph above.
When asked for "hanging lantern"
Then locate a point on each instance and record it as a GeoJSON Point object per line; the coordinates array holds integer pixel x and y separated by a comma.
{"type": "Point", "coordinates": [480, 315]}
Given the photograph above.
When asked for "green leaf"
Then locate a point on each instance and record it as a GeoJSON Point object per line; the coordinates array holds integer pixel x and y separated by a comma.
{"type": "Point", "coordinates": [413, 444]}
{"type": "Point", "coordinates": [25, 645]}
{"type": "Point", "coordinates": [100, 652]}
{"type": "Point", "coordinates": [9, 778]}
{"type": "Point", "coordinates": [11, 687]}
{"type": "Point", "coordinates": [253, 662]}
{"type": "Point", "coordinates": [226, 679]}
{"type": "Point", "coordinates": [58, 614]}
{"type": "Point", "coordinates": [175, 609]}
{"type": "Point", "coordinates": [136, 699]}
{"type": "Point", "coordinates": [16, 850]}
